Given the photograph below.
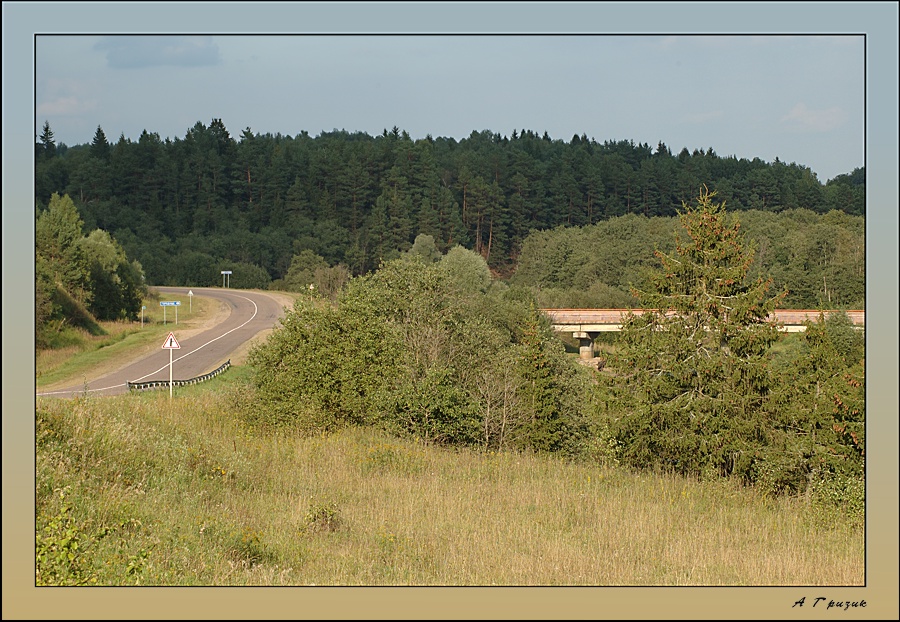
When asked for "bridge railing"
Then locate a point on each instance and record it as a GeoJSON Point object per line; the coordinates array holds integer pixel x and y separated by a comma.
{"type": "Point", "coordinates": [158, 384]}
{"type": "Point", "coordinates": [570, 319]}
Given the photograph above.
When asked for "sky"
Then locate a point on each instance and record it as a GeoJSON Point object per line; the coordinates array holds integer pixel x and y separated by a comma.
{"type": "Point", "coordinates": [799, 98]}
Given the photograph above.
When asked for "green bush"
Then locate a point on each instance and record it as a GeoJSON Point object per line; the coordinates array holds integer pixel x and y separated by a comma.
{"type": "Point", "coordinates": [821, 407]}
{"type": "Point", "coordinates": [315, 372]}
{"type": "Point", "coordinates": [431, 350]}
{"type": "Point", "coordinates": [844, 494]}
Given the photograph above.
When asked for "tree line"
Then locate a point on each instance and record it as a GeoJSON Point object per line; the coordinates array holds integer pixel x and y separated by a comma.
{"type": "Point", "coordinates": [818, 259]}
{"type": "Point", "coordinates": [186, 208]}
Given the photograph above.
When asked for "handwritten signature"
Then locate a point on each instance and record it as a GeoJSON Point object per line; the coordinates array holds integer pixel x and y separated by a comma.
{"type": "Point", "coordinates": [832, 604]}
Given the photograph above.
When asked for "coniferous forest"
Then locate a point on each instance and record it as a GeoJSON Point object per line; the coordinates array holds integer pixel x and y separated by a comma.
{"type": "Point", "coordinates": [574, 218]}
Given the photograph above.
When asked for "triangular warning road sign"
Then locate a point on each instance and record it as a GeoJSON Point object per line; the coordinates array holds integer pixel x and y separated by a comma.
{"type": "Point", "coordinates": [171, 343]}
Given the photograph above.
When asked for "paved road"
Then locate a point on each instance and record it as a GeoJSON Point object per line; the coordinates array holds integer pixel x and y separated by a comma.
{"type": "Point", "coordinates": [251, 313]}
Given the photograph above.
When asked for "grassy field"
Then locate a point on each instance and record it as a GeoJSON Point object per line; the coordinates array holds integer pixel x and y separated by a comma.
{"type": "Point", "coordinates": [177, 492]}
{"type": "Point", "coordinates": [145, 490]}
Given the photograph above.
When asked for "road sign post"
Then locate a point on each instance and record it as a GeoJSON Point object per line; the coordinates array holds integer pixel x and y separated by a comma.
{"type": "Point", "coordinates": [142, 315]}
{"type": "Point", "coordinates": [224, 273]}
{"type": "Point", "coordinates": [169, 303]}
{"type": "Point", "coordinates": [171, 344]}
{"type": "Point", "coordinates": [190, 301]}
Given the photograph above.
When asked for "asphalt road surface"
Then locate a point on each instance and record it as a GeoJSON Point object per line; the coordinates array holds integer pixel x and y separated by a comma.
{"type": "Point", "coordinates": [251, 313]}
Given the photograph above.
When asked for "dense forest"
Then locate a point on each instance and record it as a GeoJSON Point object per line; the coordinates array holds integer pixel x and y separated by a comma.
{"type": "Point", "coordinates": [187, 208]}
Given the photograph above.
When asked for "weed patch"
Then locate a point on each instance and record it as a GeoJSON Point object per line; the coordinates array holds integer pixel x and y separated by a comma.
{"type": "Point", "coordinates": [387, 457]}
{"type": "Point", "coordinates": [322, 516]}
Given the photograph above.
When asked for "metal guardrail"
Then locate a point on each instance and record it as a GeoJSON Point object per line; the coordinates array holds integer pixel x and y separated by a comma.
{"type": "Point", "coordinates": [158, 384]}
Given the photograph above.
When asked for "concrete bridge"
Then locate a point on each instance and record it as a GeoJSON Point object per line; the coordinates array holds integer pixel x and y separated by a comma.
{"type": "Point", "coordinates": [586, 324]}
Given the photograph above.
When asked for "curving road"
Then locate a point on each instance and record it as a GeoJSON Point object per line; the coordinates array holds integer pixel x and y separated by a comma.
{"type": "Point", "coordinates": [251, 313]}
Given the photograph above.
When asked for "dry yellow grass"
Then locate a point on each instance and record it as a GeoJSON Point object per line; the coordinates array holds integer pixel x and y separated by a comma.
{"type": "Point", "coordinates": [218, 504]}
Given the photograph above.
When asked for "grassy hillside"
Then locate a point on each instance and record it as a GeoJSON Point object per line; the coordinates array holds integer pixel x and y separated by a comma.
{"type": "Point", "coordinates": [146, 490]}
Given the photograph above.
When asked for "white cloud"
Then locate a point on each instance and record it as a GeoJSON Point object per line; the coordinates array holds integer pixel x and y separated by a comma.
{"type": "Point", "coordinates": [803, 118]}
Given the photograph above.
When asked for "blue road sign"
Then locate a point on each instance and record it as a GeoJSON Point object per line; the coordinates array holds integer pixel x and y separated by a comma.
{"type": "Point", "coordinates": [169, 303]}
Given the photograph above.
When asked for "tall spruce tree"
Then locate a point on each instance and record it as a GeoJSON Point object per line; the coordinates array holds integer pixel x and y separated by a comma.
{"type": "Point", "coordinates": [694, 359]}
{"type": "Point", "coordinates": [47, 146]}
{"type": "Point", "coordinates": [100, 147]}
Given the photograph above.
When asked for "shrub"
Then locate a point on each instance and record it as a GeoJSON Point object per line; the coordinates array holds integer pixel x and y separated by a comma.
{"type": "Point", "coordinates": [419, 350]}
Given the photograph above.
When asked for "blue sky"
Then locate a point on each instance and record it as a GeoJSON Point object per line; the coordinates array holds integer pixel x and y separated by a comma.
{"type": "Point", "coordinates": [798, 98]}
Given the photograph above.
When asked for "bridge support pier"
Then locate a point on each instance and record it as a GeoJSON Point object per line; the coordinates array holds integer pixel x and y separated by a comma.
{"type": "Point", "coordinates": [585, 344]}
